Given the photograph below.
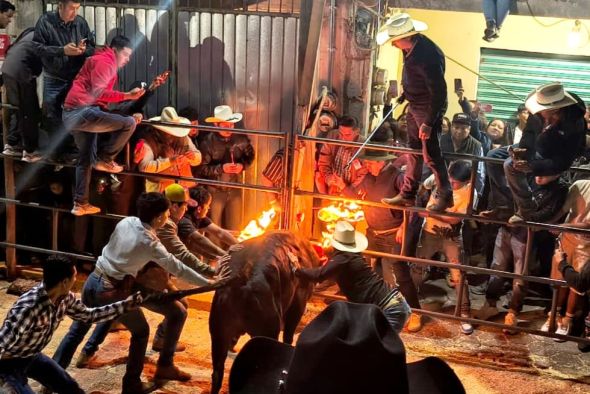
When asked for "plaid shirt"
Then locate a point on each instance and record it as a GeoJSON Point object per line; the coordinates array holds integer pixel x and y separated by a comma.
{"type": "Point", "coordinates": [33, 319]}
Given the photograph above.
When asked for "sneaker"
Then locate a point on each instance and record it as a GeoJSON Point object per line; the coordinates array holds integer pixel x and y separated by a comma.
{"type": "Point", "coordinates": [487, 311]}
{"type": "Point", "coordinates": [108, 166]}
{"type": "Point", "coordinates": [84, 209]}
{"type": "Point", "coordinates": [414, 323]}
{"type": "Point", "coordinates": [32, 157]}
{"type": "Point", "coordinates": [450, 281]}
{"type": "Point", "coordinates": [399, 200]}
{"type": "Point", "coordinates": [84, 359]}
{"type": "Point", "coordinates": [564, 327]}
{"type": "Point", "coordinates": [545, 326]}
{"type": "Point", "coordinates": [10, 150]}
{"type": "Point", "coordinates": [510, 320]}
{"type": "Point", "coordinates": [491, 32]}
{"type": "Point", "coordinates": [466, 328]}
{"type": "Point", "coordinates": [442, 201]}
{"type": "Point", "coordinates": [171, 372]}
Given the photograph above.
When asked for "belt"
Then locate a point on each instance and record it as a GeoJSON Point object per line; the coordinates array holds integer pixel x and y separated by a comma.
{"type": "Point", "coordinates": [117, 283]}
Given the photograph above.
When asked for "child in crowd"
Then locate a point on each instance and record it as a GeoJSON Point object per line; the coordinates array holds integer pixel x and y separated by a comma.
{"type": "Point", "coordinates": [444, 233]}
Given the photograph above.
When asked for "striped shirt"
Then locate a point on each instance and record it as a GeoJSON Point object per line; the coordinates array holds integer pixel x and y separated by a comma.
{"type": "Point", "coordinates": [32, 320]}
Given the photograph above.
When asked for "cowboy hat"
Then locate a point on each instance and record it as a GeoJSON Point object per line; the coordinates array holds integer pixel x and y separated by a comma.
{"type": "Point", "coordinates": [548, 96]}
{"type": "Point", "coordinates": [399, 26]}
{"type": "Point", "coordinates": [224, 113]}
{"type": "Point", "coordinates": [348, 348]}
{"type": "Point", "coordinates": [169, 115]}
{"type": "Point", "coordinates": [383, 136]}
{"type": "Point", "coordinates": [346, 239]}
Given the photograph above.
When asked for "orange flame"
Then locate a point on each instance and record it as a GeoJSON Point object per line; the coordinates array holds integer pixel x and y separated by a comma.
{"type": "Point", "coordinates": [257, 227]}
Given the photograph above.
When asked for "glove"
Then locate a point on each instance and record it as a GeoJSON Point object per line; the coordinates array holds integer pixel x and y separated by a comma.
{"type": "Point", "coordinates": [401, 99]}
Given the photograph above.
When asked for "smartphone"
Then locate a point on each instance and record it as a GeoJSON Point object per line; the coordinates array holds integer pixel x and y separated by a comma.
{"type": "Point", "coordinates": [392, 91]}
{"type": "Point", "coordinates": [83, 41]}
{"type": "Point", "coordinates": [458, 85]}
{"type": "Point", "coordinates": [486, 107]}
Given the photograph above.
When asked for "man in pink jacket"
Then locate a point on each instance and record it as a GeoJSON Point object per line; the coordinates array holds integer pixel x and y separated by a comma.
{"type": "Point", "coordinates": [85, 116]}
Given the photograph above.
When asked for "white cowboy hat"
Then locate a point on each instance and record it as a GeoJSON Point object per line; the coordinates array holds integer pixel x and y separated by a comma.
{"type": "Point", "coordinates": [346, 239]}
{"type": "Point", "coordinates": [169, 115]}
{"type": "Point", "coordinates": [548, 96]}
{"type": "Point", "coordinates": [224, 113]}
{"type": "Point", "coordinates": [399, 26]}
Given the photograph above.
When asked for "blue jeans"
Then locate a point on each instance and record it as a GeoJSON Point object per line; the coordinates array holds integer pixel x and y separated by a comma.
{"type": "Point", "coordinates": [54, 95]}
{"type": "Point", "coordinates": [397, 314]}
{"type": "Point", "coordinates": [521, 188]}
{"type": "Point", "coordinates": [496, 11]}
{"type": "Point", "coordinates": [509, 251]}
{"type": "Point", "coordinates": [431, 154]}
{"type": "Point", "coordinates": [85, 123]}
{"type": "Point", "coordinates": [14, 373]}
{"type": "Point", "coordinates": [99, 291]}
{"type": "Point", "coordinates": [500, 194]}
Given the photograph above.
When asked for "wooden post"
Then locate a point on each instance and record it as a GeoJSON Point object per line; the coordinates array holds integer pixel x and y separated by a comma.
{"type": "Point", "coordinates": [10, 193]}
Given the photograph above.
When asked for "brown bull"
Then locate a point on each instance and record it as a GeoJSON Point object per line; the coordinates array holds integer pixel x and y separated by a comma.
{"type": "Point", "coordinates": [264, 298]}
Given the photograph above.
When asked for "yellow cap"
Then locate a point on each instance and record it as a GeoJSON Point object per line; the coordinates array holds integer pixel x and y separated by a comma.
{"type": "Point", "coordinates": [176, 193]}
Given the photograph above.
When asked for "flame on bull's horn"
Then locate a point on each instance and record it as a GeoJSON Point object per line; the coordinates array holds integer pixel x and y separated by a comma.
{"type": "Point", "coordinates": [257, 227]}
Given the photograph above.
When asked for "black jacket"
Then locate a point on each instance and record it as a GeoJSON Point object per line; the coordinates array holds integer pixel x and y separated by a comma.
{"type": "Point", "coordinates": [217, 151]}
{"type": "Point", "coordinates": [52, 34]}
{"type": "Point", "coordinates": [552, 150]}
{"type": "Point", "coordinates": [423, 78]}
{"type": "Point", "coordinates": [22, 60]}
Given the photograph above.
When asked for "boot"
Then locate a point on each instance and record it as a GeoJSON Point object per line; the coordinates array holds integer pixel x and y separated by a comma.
{"type": "Point", "coordinates": [442, 201]}
{"type": "Point", "coordinates": [491, 32]}
{"type": "Point", "coordinates": [510, 320]}
{"type": "Point", "coordinates": [84, 359]}
{"type": "Point", "coordinates": [399, 200]}
{"type": "Point", "coordinates": [414, 323]}
{"type": "Point", "coordinates": [158, 345]}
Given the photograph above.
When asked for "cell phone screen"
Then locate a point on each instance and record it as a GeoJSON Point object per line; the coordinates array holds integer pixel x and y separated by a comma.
{"type": "Point", "coordinates": [458, 84]}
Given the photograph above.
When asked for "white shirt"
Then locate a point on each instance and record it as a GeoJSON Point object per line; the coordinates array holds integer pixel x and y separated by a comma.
{"type": "Point", "coordinates": [132, 245]}
{"type": "Point", "coordinates": [517, 134]}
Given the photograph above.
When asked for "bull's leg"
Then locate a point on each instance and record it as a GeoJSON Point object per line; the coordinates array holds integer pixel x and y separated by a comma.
{"type": "Point", "coordinates": [222, 333]}
{"type": "Point", "coordinates": [293, 315]}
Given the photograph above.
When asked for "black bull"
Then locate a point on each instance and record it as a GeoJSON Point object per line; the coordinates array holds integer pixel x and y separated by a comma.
{"type": "Point", "coordinates": [263, 298]}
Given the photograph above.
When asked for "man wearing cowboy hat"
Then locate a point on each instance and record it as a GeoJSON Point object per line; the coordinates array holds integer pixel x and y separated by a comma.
{"type": "Point", "coordinates": [225, 157]}
{"type": "Point", "coordinates": [424, 86]}
{"type": "Point", "coordinates": [385, 228]}
{"type": "Point", "coordinates": [347, 349]}
{"type": "Point", "coordinates": [356, 279]}
{"type": "Point", "coordinates": [167, 150]}
{"type": "Point", "coordinates": [553, 137]}
{"type": "Point", "coordinates": [85, 116]}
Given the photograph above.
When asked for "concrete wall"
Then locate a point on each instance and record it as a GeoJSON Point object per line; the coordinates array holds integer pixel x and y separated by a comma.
{"type": "Point", "coordinates": [459, 36]}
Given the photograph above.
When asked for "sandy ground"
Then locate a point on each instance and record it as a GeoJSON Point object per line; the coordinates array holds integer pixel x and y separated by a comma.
{"type": "Point", "coordinates": [105, 374]}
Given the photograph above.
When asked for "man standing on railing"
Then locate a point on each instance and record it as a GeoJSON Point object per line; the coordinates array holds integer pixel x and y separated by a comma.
{"type": "Point", "coordinates": [85, 116]}
{"type": "Point", "coordinates": [64, 41]}
{"type": "Point", "coordinates": [425, 88]}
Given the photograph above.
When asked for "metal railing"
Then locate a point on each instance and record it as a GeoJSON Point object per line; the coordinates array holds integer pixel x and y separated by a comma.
{"type": "Point", "coordinates": [288, 192]}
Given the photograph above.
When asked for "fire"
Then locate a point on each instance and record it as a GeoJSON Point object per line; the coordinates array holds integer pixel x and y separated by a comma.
{"type": "Point", "coordinates": [257, 227]}
{"type": "Point", "coordinates": [348, 211]}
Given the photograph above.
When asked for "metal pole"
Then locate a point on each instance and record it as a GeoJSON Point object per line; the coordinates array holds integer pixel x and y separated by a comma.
{"type": "Point", "coordinates": [54, 229]}
{"type": "Point", "coordinates": [173, 51]}
{"type": "Point", "coordinates": [10, 189]}
{"type": "Point", "coordinates": [553, 313]}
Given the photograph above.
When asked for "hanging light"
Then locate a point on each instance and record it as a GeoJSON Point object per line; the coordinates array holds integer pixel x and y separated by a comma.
{"type": "Point", "coordinates": [575, 38]}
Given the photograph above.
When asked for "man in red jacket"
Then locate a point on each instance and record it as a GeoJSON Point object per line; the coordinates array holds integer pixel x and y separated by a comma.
{"type": "Point", "coordinates": [85, 116]}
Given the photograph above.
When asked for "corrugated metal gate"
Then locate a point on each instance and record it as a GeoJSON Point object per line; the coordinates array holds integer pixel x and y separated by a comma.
{"type": "Point", "coordinates": [245, 57]}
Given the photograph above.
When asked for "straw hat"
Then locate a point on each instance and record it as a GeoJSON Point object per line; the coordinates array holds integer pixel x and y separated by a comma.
{"type": "Point", "coordinates": [548, 96]}
{"type": "Point", "coordinates": [399, 26]}
{"type": "Point", "coordinates": [224, 113]}
{"type": "Point", "coordinates": [346, 239]}
{"type": "Point", "coordinates": [169, 115]}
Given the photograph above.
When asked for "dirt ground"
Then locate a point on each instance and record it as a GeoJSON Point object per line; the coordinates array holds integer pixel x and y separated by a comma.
{"type": "Point", "coordinates": [105, 374]}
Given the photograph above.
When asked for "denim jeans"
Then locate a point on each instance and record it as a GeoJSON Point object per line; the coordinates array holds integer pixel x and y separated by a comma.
{"type": "Point", "coordinates": [54, 95]}
{"type": "Point", "coordinates": [431, 154]}
{"type": "Point", "coordinates": [24, 122]}
{"type": "Point", "coordinates": [99, 291]}
{"type": "Point", "coordinates": [397, 314]}
{"type": "Point", "coordinates": [500, 194]}
{"type": "Point", "coordinates": [453, 251]}
{"type": "Point", "coordinates": [520, 187]}
{"type": "Point", "coordinates": [496, 11]}
{"type": "Point", "coordinates": [14, 374]}
{"type": "Point", "coordinates": [509, 251]}
{"type": "Point", "coordinates": [85, 123]}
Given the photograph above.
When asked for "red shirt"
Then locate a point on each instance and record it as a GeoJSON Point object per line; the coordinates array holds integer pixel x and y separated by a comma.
{"type": "Point", "coordinates": [94, 83]}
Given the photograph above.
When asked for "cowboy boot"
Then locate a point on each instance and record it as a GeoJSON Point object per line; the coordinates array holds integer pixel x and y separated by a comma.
{"type": "Point", "coordinates": [399, 200]}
